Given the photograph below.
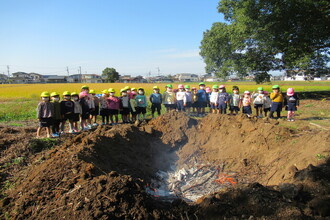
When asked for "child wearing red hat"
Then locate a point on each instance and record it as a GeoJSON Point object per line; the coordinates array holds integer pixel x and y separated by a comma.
{"type": "Point", "coordinates": [246, 102]}
{"type": "Point", "coordinates": [291, 102]}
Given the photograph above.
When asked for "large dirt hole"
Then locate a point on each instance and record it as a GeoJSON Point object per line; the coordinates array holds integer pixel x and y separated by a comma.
{"type": "Point", "coordinates": [153, 155]}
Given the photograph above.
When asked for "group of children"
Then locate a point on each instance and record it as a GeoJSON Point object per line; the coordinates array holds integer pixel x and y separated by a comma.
{"type": "Point", "coordinates": [132, 104]}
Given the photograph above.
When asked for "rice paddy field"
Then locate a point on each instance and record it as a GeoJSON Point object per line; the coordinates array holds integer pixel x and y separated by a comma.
{"type": "Point", "coordinates": [32, 91]}
{"type": "Point", "coordinates": [18, 102]}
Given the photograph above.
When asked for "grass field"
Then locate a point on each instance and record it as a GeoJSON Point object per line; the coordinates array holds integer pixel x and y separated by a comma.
{"type": "Point", "coordinates": [18, 101]}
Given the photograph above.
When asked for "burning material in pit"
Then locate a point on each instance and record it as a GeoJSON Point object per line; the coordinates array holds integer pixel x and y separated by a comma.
{"type": "Point", "coordinates": [190, 184]}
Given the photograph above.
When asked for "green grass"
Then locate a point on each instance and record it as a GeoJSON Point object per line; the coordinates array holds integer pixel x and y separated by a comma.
{"type": "Point", "coordinates": [320, 157]}
{"type": "Point", "coordinates": [15, 124]}
{"type": "Point", "coordinates": [17, 110]}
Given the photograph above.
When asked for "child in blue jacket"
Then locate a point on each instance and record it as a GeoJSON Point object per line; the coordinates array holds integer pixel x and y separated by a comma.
{"type": "Point", "coordinates": [156, 100]}
{"type": "Point", "coordinates": [223, 99]}
{"type": "Point", "coordinates": [141, 104]}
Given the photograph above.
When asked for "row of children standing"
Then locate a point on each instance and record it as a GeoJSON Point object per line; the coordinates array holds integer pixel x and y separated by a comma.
{"type": "Point", "coordinates": [218, 100]}
{"type": "Point", "coordinates": [75, 108]}
{"type": "Point", "coordinates": [132, 105]}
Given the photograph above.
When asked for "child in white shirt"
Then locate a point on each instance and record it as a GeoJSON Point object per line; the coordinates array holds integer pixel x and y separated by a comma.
{"type": "Point", "coordinates": [181, 98]}
{"type": "Point", "coordinates": [214, 97]}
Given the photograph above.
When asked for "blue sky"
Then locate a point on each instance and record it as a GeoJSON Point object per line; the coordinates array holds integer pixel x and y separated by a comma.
{"type": "Point", "coordinates": [133, 36]}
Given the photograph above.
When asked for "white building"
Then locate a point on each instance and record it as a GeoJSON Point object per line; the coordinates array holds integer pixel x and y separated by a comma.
{"type": "Point", "coordinates": [295, 75]}
{"type": "Point", "coordinates": [186, 77]}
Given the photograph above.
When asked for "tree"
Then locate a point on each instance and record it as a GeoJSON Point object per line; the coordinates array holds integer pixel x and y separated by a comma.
{"type": "Point", "coordinates": [264, 35]}
{"type": "Point", "coordinates": [110, 74]}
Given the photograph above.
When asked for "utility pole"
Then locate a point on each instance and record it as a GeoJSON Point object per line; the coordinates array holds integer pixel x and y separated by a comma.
{"type": "Point", "coordinates": [80, 74]}
{"type": "Point", "coordinates": [67, 70]}
{"type": "Point", "coordinates": [8, 72]}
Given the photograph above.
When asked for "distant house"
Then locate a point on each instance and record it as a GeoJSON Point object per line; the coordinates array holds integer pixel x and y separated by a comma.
{"type": "Point", "coordinates": [91, 78]}
{"type": "Point", "coordinates": [139, 79]}
{"type": "Point", "coordinates": [210, 78]}
{"type": "Point", "coordinates": [84, 78]}
{"type": "Point", "coordinates": [160, 79]}
{"type": "Point", "coordinates": [295, 75]}
{"type": "Point", "coordinates": [276, 78]}
{"type": "Point", "coordinates": [21, 75]}
{"type": "Point", "coordinates": [20, 78]}
{"type": "Point", "coordinates": [125, 79]}
{"type": "Point", "coordinates": [186, 77]}
{"type": "Point", "coordinates": [36, 77]}
{"type": "Point", "coordinates": [55, 79]}
{"type": "Point", "coordinates": [129, 79]}
{"type": "Point", "coordinates": [74, 78]}
{"type": "Point", "coordinates": [3, 78]}
{"type": "Point", "coordinates": [233, 79]}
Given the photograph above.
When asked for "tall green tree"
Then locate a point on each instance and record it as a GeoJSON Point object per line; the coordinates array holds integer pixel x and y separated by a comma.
{"type": "Point", "coordinates": [263, 35]}
{"type": "Point", "coordinates": [110, 74]}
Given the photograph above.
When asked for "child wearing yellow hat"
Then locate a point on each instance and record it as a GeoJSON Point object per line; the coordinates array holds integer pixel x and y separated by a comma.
{"type": "Point", "coordinates": [169, 98]}
{"type": "Point", "coordinates": [67, 111]}
{"type": "Point", "coordinates": [156, 101]}
{"type": "Point", "coordinates": [125, 105]}
{"type": "Point", "coordinates": [104, 112]}
{"type": "Point", "coordinates": [57, 119]}
{"type": "Point", "coordinates": [77, 111]}
{"type": "Point", "coordinates": [95, 111]}
{"type": "Point", "coordinates": [141, 102]}
{"type": "Point", "coordinates": [113, 106]}
{"type": "Point", "coordinates": [277, 101]}
{"type": "Point", "coordinates": [87, 103]}
{"type": "Point", "coordinates": [45, 113]}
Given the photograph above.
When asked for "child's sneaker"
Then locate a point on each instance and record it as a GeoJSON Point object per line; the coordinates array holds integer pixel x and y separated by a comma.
{"type": "Point", "coordinates": [95, 124]}
{"type": "Point", "coordinates": [289, 119]}
{"type": "Point", "coordinates": [292, 119]}
{"type": "Point", "coordinates": [103, 123]}
{"type": "Point", "coordinates": [89, 126]}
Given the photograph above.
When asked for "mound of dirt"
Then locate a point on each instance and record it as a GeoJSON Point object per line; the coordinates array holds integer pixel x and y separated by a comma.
{"type": "Point", "coordinates": [260, 150]}
{"type": "Point", "coordinates": [106, 167]}
{"type": "Point", "coordinates": [103, 174]}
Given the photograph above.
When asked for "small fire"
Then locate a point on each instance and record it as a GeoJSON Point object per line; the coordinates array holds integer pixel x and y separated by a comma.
{"type": "Point", "coordinates": [225, 178]}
